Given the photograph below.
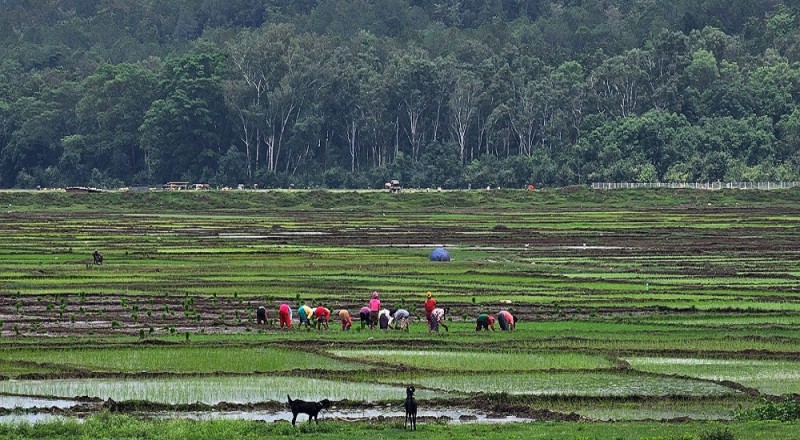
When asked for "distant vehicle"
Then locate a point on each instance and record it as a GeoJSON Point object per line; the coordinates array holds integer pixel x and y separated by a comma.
{"type": "Point", "coordinates": [393, 186]}
{"type": "Point", "coordinates": [82, 190]}
{"type": "Point", "coordinates": [201, 186]}
{"type": "Point", "coordinates": [176, 185]}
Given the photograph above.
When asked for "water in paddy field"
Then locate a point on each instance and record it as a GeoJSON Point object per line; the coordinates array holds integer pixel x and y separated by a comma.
{"type": "Point", "coordinates": [775, 377]}
{"type": "Point", "coordinates": [602, 384]}
{"type": "Point", "coordinates": [31, 418]}
{"type": "Point", "coordinates": [452, 415]}
{"type": "Point", "coordinates": [449, 415]}
{"type": "Point", "coordinates": [210, 390]}
{"type": "Point", "coordinates": [11, 402]}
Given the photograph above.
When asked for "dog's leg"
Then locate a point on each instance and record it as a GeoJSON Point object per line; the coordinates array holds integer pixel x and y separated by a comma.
{"type": "Point", "coordinates": [294, 417]}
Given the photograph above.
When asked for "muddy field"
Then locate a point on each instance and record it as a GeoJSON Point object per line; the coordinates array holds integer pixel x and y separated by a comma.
{"type": "Point", "coordinates": [710, 281]}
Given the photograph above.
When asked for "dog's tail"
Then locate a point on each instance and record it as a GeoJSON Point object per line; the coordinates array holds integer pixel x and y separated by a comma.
{"type": "Point", "coordinates": [290, 399]}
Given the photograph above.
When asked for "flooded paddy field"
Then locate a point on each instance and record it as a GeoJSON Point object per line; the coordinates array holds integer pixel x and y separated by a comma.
{"type": "Point", "coordinates": [684, 309]}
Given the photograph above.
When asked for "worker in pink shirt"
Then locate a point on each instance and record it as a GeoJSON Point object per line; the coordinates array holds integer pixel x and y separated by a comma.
{"type": "Point", "coordinates": [374, 308]}
{"type": "Point", "coordinates": [506, 320]}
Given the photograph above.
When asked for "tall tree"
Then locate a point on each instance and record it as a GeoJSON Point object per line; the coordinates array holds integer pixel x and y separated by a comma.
{"type": "Point", "coordinates": [182, 131]}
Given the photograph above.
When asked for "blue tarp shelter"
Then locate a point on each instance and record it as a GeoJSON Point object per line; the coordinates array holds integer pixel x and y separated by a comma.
{"type": "Point", "coordinates": [440, 254]}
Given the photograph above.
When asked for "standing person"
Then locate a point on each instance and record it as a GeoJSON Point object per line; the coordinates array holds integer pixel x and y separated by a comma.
{"type": "Point", "coordinates": [364, 315]}
{"type": "Point", "coordinates": [305, 313]}
{"type": "Point", "coordinates": [322, 314]}
{"type": "Point", "coordinates": [261, 315]}
{"type": "Point", "coordinates": [285, 316]}
{"type": "Point", "coordinates": [430, 304]}
{"type": "Point", "coordinates": [374, 307]}
{"type": "Point", "coordinates": [437, 318]}
{"type": "Point", "coordinates": [484, 321]}
{"type": "Point", "coordinates": [506, 320]}
{"type": "Point", "coordinates": [401, 319]}
{"type": "Point", "coordinates": [347, 320]}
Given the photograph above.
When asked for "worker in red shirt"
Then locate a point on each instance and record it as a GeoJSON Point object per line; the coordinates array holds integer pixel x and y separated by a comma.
{"type": "Point", "coordinates": [322, 315]}
{"type": "Point", "coordinates": [285, 316]}
{"type": "Point", "coordinates": [484, 322]}
{"type": "Point", "coordinates": [430, 304]}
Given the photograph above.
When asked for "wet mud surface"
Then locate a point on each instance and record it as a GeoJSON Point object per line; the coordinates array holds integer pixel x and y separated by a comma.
{"type": "Point", "coordinates": [59, 319]}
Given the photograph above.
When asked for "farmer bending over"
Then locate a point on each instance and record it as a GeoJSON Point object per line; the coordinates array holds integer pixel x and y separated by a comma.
{"type": "Point", "coordinates": [364, 315]}
{"type": "Point", "coordinates": [347, 320]}
{"type": "Point", "coordinates": [261, 315]}
{"type": "Point", "coordinates": [322, 314]}
{"type": "Point", "coordinates": [401, 319]}
{"type": "Point", "coordinates": [97, 256]}
{"type": "Point", "coordinates": [437, 319]}
{"type": "Point", "coordinates": [285, 316]}
{"type": "Point", "coordinates": [484, 321]}
{"type": "Point", "coordinates": [305, 312]}
{"type": "Point", "coordinates": [506, 320]}
{"type": "Point", "coordinates": [384, 319]}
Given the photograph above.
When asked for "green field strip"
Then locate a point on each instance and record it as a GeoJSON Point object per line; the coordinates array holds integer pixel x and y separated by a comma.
{"type": "Point", "coordinates": [182, 359]}
{"type": "Point", "coordinates": [768, 376]}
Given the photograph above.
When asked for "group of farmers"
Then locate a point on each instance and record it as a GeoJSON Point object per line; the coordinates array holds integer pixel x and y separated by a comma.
{"type": "Point", "coordinates": [374, 316]}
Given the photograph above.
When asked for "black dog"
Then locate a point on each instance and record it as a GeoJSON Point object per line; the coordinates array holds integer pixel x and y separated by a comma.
{"type": "Point", "coordinates": [411, 409]}
{"type": "Point", "coordinates": [310, 408]}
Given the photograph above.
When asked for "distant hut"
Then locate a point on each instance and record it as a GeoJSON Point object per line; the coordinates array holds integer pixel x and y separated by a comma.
{"type": "Point", "coordinates": [440, 254]}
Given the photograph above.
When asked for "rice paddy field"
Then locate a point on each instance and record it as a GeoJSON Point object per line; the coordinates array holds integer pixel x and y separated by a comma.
{"type": "Point", "coordinates": [642, 314]}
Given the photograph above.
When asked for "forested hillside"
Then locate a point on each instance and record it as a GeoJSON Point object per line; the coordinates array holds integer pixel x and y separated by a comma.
{"type": "Point", "coordinates": [350, 93]}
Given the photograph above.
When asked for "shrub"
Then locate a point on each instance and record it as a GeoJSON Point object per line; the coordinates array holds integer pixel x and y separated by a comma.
{"type": "Point", "coordinates": [785, 411]}
{"type": "Point", "coordinates": [722, 433]}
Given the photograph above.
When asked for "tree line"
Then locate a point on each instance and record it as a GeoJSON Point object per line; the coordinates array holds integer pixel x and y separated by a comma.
{"type": "Point", "coordinates": [352, 93]}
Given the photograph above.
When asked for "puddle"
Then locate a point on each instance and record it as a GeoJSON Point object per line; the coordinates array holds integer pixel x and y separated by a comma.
{"type": "Point", "coordinates": [775, 377]}
{"type": "Point", "coordinates": [634, 414]}
{"type": "Point", "coordinates": [272, 235]}
{"type": "Point", "coordinates": [453, 414]}
{"type": "Point", "coordinates": [12, 402]}
{"type": "Point", "coordinates": [477, 361]}
{"type": "Point", "coordinates": [210, 390]}
{"type": "Point", "coordinates": [572, 384]}
{"type": "Point", "coordinates": [33, 418]}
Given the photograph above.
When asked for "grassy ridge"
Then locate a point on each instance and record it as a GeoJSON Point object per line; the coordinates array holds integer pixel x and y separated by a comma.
{"type": "Point", "coordinates": [121, 428]}
{"type": "Point", "coordinates": [622, 294]}
{"type": "Point", "coordinates": [357, 200]}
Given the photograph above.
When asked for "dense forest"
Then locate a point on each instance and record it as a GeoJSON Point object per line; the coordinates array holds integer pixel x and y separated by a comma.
{"type": "Point", "coordinates": [441, 93]}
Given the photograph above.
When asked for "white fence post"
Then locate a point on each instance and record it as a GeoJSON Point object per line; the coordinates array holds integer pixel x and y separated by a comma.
{"type": "Point", "coordinates": [711, 186]}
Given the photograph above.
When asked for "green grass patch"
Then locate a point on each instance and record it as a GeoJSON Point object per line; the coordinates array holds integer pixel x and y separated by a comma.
{"type": "Point", "coordinates": [182, 359]}
{"type": "Point", "coordinates": [776, 377]}
{"type": "Point", "coordinates": [211, 390]}
{"type": "Point", "coordinates": [584, 383]}
{"type": "Point", "coordinates": [452, 360]}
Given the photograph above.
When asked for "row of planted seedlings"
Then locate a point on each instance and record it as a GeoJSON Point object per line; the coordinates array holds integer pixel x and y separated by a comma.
{"type": "Point", "coordinates": [352, 374]}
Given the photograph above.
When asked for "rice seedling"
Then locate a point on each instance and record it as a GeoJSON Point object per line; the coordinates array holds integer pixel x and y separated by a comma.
{"type": "Point", "coordinates": [776, 377]}
{"type": "Point", "coordinates": [584, 383]}
{"type": "Point", "coordinates": [481, 361]}
{"type": "Point", "coordinates": [182, 359]}
{"type": "Point", "coordinates": [210, 390]}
